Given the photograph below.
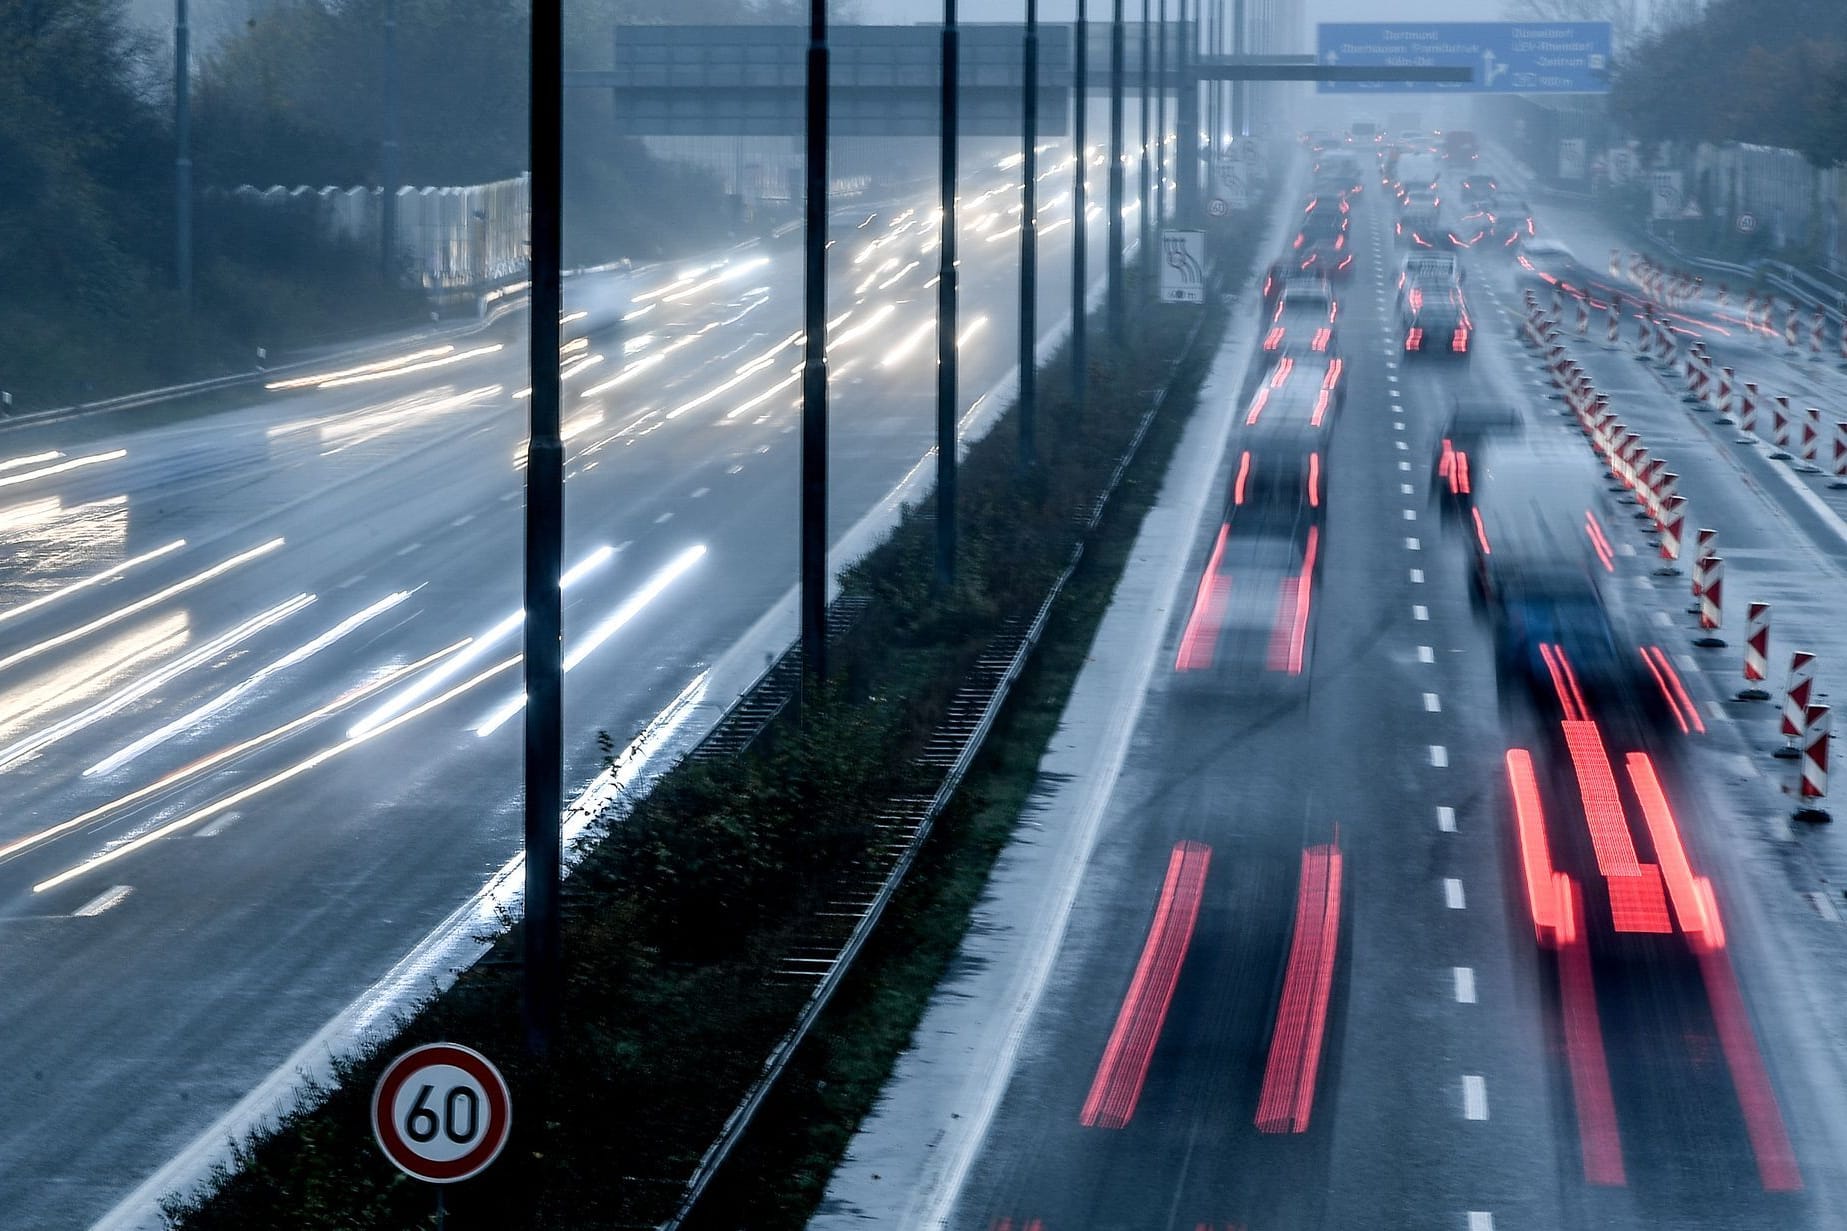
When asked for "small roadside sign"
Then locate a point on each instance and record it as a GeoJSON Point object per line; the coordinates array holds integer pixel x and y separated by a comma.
{"type": "Point", "coordinates": [1183, 266]}
{"type": "Point", "coordinates": [1218, 207]}
{"type": "Point", "coordinates": [441, 1112]}
{"type": "Point", "coordinates": [1747, 222]}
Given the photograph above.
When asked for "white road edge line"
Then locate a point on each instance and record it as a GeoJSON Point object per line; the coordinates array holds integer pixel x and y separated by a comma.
{"type": "Point", "coordinates": [102, 902]}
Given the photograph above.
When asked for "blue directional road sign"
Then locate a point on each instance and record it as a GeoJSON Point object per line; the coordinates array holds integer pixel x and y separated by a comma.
{"type": "Point", "coordinates": [1509, 57]}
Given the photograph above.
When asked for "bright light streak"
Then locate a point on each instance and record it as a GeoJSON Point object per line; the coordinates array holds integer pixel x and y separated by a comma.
{"type": "Point", "coordinates": [871, 322]}
{"type": "Point", "coordinates": [277, 779]}
{"type": "Point", "coordinates": [607, 629]}
{"type": "Point", "coordinates": [633, 369]}
{"type": "Point", "coordinates": [294, 657]}
{"type": "Point", "coordinates": [379, 365]}
{"type": "Point", "coordinates": [31, 513]}
{"type": "Point", "coordinates": [74, 463]}
{"type": "Point", "coordinates": [639, 312]}
{"type": "Point", "coordinates": [477, 648]}
{"type": "Point", "coordinates": [907, 344]}
{"type": "Point", "coordinates": [974, 327]}
{"type": "Point", "coordinates": [19, 749]}
{"type": "Point", "coordinates": [761, 398]}
{"type": "Point", "coordinates": [676, 284]}
{"type": "Point", "coordinates": [200, 766]}
{"type": "Point", "coordinates": [426, 365]}
{"type": "Point", "coordinates": [122, 613]}
{"type": "Point", "coordinates": [91, 672]}
{"type": "Point", "coordinates": [743, 374]}
{"type": "Point", "coordinates": [886, 285]}
{"type": "Point", "coordinates": [32, 459]}
{"type": "Point", "coordinates": [728, 275]}
{"type": "Point", "coordinates": [1003, 234]}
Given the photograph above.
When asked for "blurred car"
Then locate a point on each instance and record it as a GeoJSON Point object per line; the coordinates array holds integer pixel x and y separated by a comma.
{"type": "Point", "coordinates": [1302, 321]}
{"type": "Point", "coordinates": [1434, 320]}
{"type": "Point", "coordinates": [1322, 244]}
{"type": "Point", "coordinates": [1460, 146]}
{"type": "Point", "coordinates": [1283, 272]}
{"type": "Point", "coordinates": [1511, 219]}
{"type": "Point", "coordinates": [1424, 226]}
{"type": "Point", "coordinates": [1340, 167]}
{"type": "Point", "coordinates": [1478, 187]}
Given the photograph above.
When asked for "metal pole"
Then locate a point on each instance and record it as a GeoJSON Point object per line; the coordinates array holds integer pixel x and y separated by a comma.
{"type": "Point", "coordinates": [1145, 189]}
{"type": "Point", "coordinates": [182, 158]}
{"type": "Point", "coordinates": [1186, 127]}
{"type": "Point", "coordinates": [1118, 309]}
{"type": "Point", "coordinates": [1160, 125]}
{"type": "Point", "coordinates": [388, 170]}
{"type": "Point", "coordinates": [544, 644]}
{"type": "Point", "coordinates": [814, 365]}
{"type": "Point", "coordinates": [946, 316]}
{"type": "Point", "coordinates": [1029, 242]}
{"type": "Point", "coordinates": [1080, 230]}
{"type": "Point", "coordinates": [1239, 120]}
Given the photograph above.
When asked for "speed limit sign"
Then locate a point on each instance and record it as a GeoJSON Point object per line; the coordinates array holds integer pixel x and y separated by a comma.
{"type": "Point", "coordinates": [441, 1112]}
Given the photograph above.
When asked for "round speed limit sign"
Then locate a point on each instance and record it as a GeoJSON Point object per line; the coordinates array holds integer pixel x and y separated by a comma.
{"type": "Point", "coordinates": [441, 1112]}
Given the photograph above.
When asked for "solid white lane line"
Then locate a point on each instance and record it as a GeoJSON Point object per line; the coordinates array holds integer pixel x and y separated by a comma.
{"type": "Point", "coordinates": [1425, 654]}
{"type": "Point", "coordinates": [1446, 818]}
{"type": "Point", "coordinates": [1452, 893]}
{"type": "Point", "coordinates": [1431, 704]}
{"type": "Point", "coordinates": [1474, 1097]}
{"type": "Point", "coordinates": [1465, 984]}
{"type": "Point", "coordinates": [1417, 576]}
{"type": "Point", "coordinates": [1420, 612]}
{"type": "Point", "coordinates": [102, 902]}
{"type": "Point", "coordinates": [1439, 756]}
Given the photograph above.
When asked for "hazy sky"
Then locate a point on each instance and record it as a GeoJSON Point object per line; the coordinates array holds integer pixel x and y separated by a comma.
{"type": "Point", "coordinates": [1063, 10]}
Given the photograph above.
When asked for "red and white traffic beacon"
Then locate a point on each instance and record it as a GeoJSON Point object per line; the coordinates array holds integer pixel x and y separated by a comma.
{"type": "Point", "coordinates": [441, 1113]}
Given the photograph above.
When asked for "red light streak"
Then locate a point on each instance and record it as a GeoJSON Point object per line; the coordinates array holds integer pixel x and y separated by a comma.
{"type": "Point", "coordinates": [1600, 1144]}
{"type": "Point", "coordinates": [1680, 690]}
{"type": "Point", "coordinates": [1258, 403]}
{"type": "Point", "coordinates": [1321, 408]}
{"type": "Point", "coordinates": [1244, 471]}
{"type": "Point", "coordinates": [1682, 886]}
{"type": "Point", "coordinates": [1414, 338]}
{"type": "Point", "coordinates": [1535, 850]}
{"type": "Point", "coordinates": [1763, 1122]}
{"type": "Point", "coordinates": [1314, 480]}
{"type": "Point", "coordinates": [1598, 541]}
{"type": "Point", "coordinates": [1202, 626]}
{"type": "Point", "coordinates": [1637, 903]}
{"type": "Point", "coordinates": [1288, 1092]}
{"type": "Point", "coordinates": [1118, 1083]}
{"type": "Point", "coordinates": [1481, 534]}
{"type": "Point", "coordinates": [1274, 338]}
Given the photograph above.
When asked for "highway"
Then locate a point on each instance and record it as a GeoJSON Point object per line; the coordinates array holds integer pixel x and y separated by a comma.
{"type": "Point", "coordinates": [259, 716]}
{"type": "Point", "coordinates": [1269, 955]}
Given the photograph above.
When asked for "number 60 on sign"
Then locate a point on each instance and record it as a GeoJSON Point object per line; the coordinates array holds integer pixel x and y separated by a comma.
{"type": "Point", "coordinates": [441, 1112]}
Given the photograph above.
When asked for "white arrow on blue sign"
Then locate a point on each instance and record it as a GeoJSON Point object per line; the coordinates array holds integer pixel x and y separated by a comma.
{"type": "Point", "coordinates": [1509, 57]}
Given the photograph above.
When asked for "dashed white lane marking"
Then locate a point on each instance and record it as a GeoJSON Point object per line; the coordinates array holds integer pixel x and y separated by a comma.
{"type": "Point", "coordinates": [1432, 703]}
{"type": "Point", "coordinates": [508, 496]}
{"type": "Point", "coordinates": [1413, 545]}
{"type": "Point", "coordinates": [1687, 663]}
{"type": "Point", "coordinates": [1397, 427]}
{"type": "Point", "coordinates": [1625, 549]}
{"type": "Point", "coordinates": [734, 470]}
{"type": "Point", "coordinates": [1824, 906]}
{"type": "Point", "coordinates": [463, 520]}
{"type": "Point", "coordinates": [1439, 756]}
{"type": "Point", "coordinates": [1452, 893]}
{"type": "Point", "coordinates": [1474, 1097]}
{"type": "Point", "coordinates": [1405, 489]}
{"type": "Point", "coordinates": [663, 518]}
{"type": "Point", "coordinates": [1419, 612]}
{"type": "Point", "coordinates": [1446, 818]}
{"type": "Point", "coordinates": [1465, 984]}
{"type": "Point", "coordinates": [1404, 465]}
{"type": "Point", "coordinates": [1717, 711]}
{"type": "Point", "coordinates": [102, 902]}
{"type": "Point", "coordinates": [1402, 446]}
{"type": "Point", "coordinates": [1481, 1220]}
{"type": "Point", "coordinates": [1662, 620]}
{"type": "Point", "coordinates": [1425, 654]}
{"type": "Point", "coordinates": [702, 491]}
{"type": "Point", "coordinates": [1417, 576]}
{"type": "Point", "coordinates": [1391, 363]}
{"type": "Point", "coordinates": [1410, 514]}
{"type": "Point", "coordinates": [405, 551]}
{"type": "Point", "coordinates": [220, 823]}
{"type": "Point", "coordinates": [354, 580]}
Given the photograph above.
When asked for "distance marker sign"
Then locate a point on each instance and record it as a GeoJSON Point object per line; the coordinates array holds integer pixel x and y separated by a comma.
{"type": "Point", "coordinates": [441, 1112]}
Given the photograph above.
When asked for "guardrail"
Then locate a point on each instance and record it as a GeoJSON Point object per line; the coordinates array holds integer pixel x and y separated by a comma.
{"type": "Point", "coordinates": [967, 738]}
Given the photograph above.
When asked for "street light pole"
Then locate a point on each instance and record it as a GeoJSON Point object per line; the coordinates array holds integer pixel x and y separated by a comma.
{"type": "Point", "coordinates": [182, 158]}
{"type": "Point", "coordinates": [1144, 189]}
{"type": "Point", "coordinates": [1160, 124]}
{"type": "Point", "coordinates": [1080, 206]}
{"type": "Point", "coordinates": [1029, 241]}
{"type": "Point", "coordinates": [543, 633]}
{"type": "Point", "coordinates": [388, 169]}
{"type": "Point", "coordinates": [1118, 309]}
{"type": "Point", "coordinates": [946, 315]}
{"type": "Point", "coordinates": [814, 367]}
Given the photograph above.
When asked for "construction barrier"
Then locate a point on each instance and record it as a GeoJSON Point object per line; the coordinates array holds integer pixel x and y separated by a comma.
{"type": "Point", "coordinates": [1781, 420]}
{"type": "Point", "coordinates": [1757, 642]}
{"type": "Point", "coordinates": [1840, 449]}
{"type": "Point", "coordinates": [1817, 722]}
{"type": "Point", "coordinates": [1673, 521]}
{"type": "Point", "coordinates": [1704, 547]}
{"type": "Point", "coordinates": [1712, 594]}
{"type": "Point", "coordinates": [1797, 692]}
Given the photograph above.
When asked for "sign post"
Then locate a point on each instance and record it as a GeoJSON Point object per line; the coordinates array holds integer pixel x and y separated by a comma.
{"type": "Point", "coordinates": [441, 1113]}
{"type": "Point", "coordinates": [1183, 266]}
{"type": "Point", "coordinates": [1509, 57]}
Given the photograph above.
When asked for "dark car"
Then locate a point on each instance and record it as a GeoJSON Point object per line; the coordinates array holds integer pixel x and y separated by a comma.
{"type": "Point", "coordinates": [1434, 320]}
{"type": "Point", "coordinates": [1323, 243]}
{"type": "Point", "coordinates": [1284, 272]}
{"type": "Point", "coordinates": [1478, 187]}
{"type": "Point", "coordinates": [1302, 322]}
